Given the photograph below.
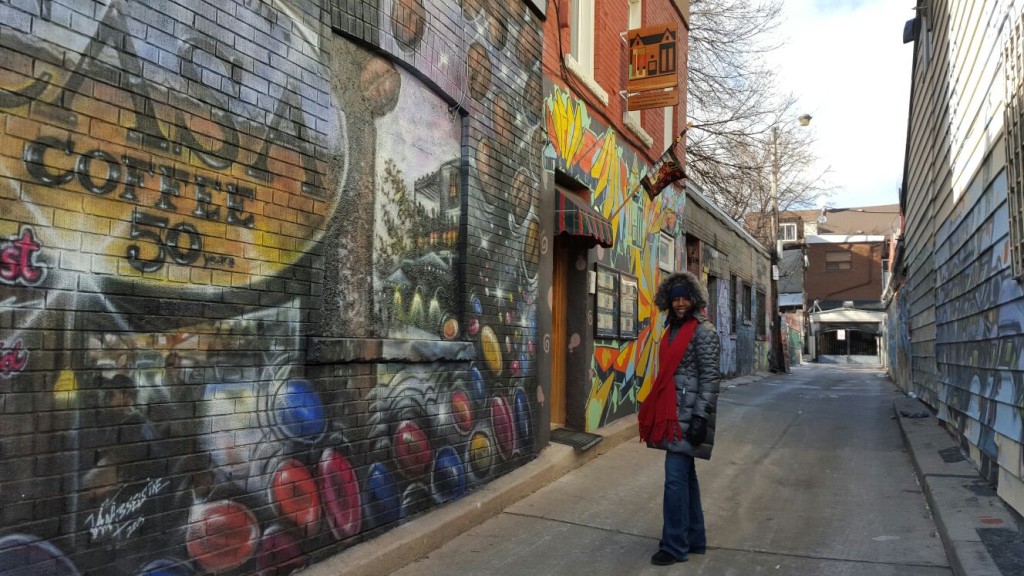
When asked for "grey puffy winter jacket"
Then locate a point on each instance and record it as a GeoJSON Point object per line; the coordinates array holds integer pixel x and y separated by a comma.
{"type": "Point", "coordinates": [697, 377]}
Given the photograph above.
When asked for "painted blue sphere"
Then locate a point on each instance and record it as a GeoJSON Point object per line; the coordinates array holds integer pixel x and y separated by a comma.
{"type": "Point", "coordinates": [299, 411]}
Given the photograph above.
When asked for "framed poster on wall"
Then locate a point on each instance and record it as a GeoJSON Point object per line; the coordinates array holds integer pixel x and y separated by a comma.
{"type": "Point", "coordinates": [627, 307]}
{"type": "Point", "coordinates": [607, 306]}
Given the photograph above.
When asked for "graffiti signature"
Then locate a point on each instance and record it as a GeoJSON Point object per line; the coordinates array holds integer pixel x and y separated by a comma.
{"type": "Point", "coordinates": [13, 359]}
{"type": "Point", "coordinates": [218, 260]}
{"type": "Point", "coordinates": [119, 519]}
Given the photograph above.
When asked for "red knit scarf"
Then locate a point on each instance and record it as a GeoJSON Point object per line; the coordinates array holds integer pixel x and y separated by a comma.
{"type": "Point", "coordinates": [658, 418]}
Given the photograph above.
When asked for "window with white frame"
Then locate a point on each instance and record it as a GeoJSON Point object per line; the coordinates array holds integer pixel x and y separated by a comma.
{"type": "Point", "coordinates": [666, 252]}
{"type": "Point", "coordinates": [787, 232]}
{"type": "Point", "coordinates": [635, 21]}
{"type": "Point", "coordinates": [633, 119]}
{"type": "Point", "coordinates": [581, 35]}
{"type": "Point", "coordinates": [580, 59]}
{"type": "Point", "coordinates": [668, 130]}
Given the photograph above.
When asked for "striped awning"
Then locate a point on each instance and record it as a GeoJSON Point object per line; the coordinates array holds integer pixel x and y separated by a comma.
{"type": "Point", "coordinates": [576, 217]}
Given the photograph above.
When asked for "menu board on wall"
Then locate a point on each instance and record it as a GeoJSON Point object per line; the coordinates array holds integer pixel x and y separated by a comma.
{"type": "Point", "coordinates": [607, 308]}
{"type": "Point", "coordinates": [627, 307]}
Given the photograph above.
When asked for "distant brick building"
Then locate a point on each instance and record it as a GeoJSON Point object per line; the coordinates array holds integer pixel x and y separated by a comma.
{"type": "Point", "coordinates": [837, 258]}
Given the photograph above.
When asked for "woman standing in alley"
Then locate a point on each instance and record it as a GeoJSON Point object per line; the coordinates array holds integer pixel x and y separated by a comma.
{"type": "Point", "coordinates": [678, 415]}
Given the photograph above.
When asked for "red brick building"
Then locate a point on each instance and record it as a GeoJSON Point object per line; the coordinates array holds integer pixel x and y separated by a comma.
{"type": "Point", "coordinates": [600, 315]}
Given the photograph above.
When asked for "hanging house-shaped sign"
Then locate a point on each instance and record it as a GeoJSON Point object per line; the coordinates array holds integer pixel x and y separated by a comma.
{"type": "Point", "coordinates": [652, 58]}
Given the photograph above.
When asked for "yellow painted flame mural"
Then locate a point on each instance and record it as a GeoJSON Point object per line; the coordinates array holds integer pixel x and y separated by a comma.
{"type": "Point", "coordinates": [568, 120]}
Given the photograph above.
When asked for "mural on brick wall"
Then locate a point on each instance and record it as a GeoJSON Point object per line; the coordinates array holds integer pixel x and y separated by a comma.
{"type": "Point", "coordinates": [504, 250]}
{"type": "Point", "coordinates": [592, 154]}
{"type": "Point", "coordinates": [168, 198]}
{"type": "Point", "coordinates": [762, 355]}
{"type": "Point", "coordinates": [793, 335]}
{"type": "Point", "coordinates": [418, 205]}
{"type": "Point", "coordinates": [183, 205]}
{"type": "Point", "coordinates": [434, 434]}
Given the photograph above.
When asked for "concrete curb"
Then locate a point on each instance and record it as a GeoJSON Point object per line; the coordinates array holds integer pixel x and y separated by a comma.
{"type": "Point", "coordinates": [397, 548]}
{"type": "Point", "coordinates": [744, 380]}
{"type": "Point", "coordinates": [961, 502]}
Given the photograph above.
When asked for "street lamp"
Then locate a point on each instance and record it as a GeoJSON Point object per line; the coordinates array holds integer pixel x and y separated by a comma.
{"type": "Point", "coordinates": [778, 358]}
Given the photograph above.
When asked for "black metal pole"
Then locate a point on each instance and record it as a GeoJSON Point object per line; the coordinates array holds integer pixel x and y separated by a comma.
{"type": "Point", "coordinates": [778, 360]}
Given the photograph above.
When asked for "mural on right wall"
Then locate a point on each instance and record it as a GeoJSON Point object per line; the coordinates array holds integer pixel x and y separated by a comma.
{"type": "Point", "coordinates": [979, 317]}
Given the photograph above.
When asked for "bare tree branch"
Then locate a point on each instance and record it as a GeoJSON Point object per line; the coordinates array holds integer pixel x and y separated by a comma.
{"type": "Point", "coordinates": [733, 100]}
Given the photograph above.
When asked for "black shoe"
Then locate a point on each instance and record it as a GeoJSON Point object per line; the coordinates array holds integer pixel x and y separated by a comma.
{"type": "Point", "coordinates": [662, 558]}
{"type": "Point", "coordinates": [699, 551]}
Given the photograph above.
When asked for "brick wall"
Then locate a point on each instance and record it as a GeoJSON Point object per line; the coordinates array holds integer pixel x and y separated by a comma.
{"type": "Point", "coordinates": [862, 282]}
{"type": "Point", "coordinates": [722, 254]}
{"type": "Point", "coordinates": [269, 275]}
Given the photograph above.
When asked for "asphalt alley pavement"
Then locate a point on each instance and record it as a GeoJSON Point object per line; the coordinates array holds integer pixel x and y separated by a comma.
{"type": "Point", "coordinates": [598, 512]}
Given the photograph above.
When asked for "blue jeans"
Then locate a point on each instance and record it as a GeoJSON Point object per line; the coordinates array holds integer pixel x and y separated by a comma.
{"type": "Point", "coordinates": [682, 516]}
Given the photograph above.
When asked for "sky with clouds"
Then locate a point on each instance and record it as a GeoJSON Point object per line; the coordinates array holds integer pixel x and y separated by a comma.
{"type": "Point", "coordinates": [846, 63]}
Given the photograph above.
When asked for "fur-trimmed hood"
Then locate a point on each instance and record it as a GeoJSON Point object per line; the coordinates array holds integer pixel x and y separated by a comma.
{"type": "Point", "coordinates": [698, 293]}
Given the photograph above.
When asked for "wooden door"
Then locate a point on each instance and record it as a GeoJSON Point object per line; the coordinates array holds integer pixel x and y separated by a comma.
{"type": "Point", "coordinates": [559, 338]}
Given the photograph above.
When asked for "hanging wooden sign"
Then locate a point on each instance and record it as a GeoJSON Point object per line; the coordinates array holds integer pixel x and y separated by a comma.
{"type": "Point", "coordinates": [653, 99]}
{"type": "Point", "coordinates": [652, 58]}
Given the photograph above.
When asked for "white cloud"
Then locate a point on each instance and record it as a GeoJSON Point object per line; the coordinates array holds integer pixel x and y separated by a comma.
{"type": "Point", "coordinates": [846, 63]}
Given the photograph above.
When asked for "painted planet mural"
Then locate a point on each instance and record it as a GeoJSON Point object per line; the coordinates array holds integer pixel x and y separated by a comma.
{"type": "Point", "coordinates": [25, 555]}
{"type": "Point", "coordinates": [295, 495]}
{"type": "Point", "coordinates": [166, 567]}
{"type": "Point", "coordinates": [298, 411]}
{"type": "Point", "coordinates": [491, 349]}
{"type": "Point", "coordinates": [481, 454]}
{"type": "Point", "coordinates": [280, 552]}
{"type": "Point", "coordinates": [382, 498]}
{"type": "Point", "coordinates": [221, 535]}
{"type": "Point", "coordinates": [339, 488]}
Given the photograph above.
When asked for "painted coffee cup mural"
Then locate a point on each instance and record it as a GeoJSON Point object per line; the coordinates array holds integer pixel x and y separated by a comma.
{"type": "Point", "coordinates": [158, 188]}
